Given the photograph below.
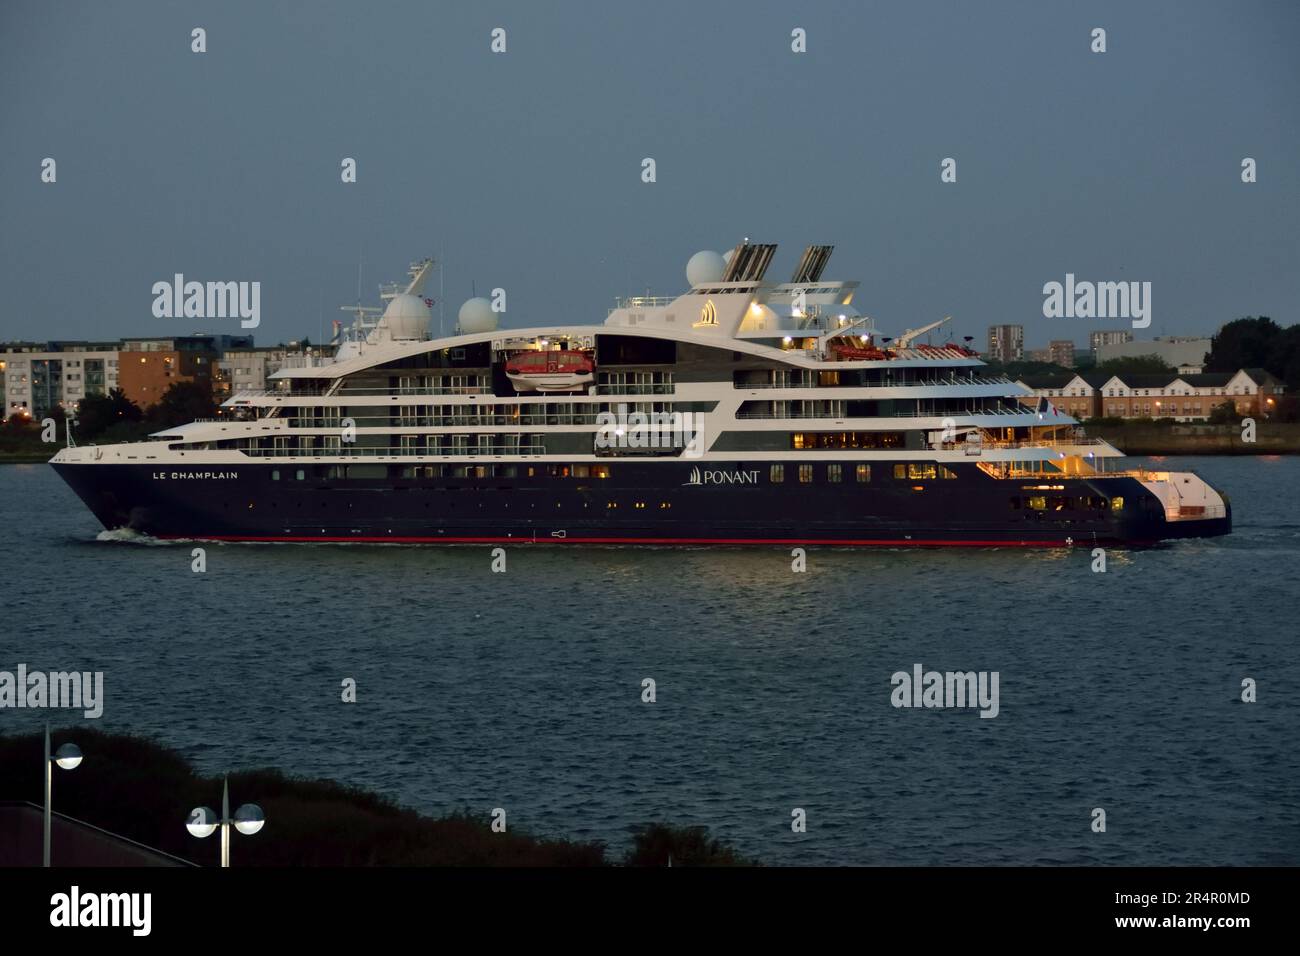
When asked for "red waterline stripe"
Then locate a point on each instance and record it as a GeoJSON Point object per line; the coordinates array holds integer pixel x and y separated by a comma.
{"type": "Point", "coordinates": [448, 539]}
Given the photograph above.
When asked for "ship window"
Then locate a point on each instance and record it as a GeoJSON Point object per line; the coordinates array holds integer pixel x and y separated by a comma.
{"type": "Point", "coordinates": [915, 471]}
{"type": "Point", "coordinates": [947, 472]}
{"type": "Point", "coordinates": [581, 471]}
{"type": "Point", "coordinates": [863, 473]}
{"type": "Point", "coordinates": [805, 473]}
{"type": "Point", "coordinates": [275, 475]}
{"type": "Point", "coordinates": [300, 474]}
{"type": "Point", "coordinates": [600, 471]}
{"type": "Point", "coordinates": [1036, 503]}
{"type": "Point", "coordinates": [1117, 503]}
{"type": "Point", "coordinates": [834, 473]}
{"type": "Point", "coordinates": [777, 473]}
{"type": "Point", "coordinates": [900, 471]}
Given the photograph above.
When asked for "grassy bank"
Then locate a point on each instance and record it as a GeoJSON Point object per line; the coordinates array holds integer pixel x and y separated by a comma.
{"type": "Point", "coordinates": [139, 789]}
{"type": "Point", "coordinates": [1151, 438]}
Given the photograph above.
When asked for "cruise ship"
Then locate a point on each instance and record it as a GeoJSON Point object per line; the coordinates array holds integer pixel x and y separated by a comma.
{"type": "Point", "coordinates": [744, 411]}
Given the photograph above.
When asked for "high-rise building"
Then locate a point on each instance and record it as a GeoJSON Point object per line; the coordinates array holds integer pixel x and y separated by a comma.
{"type": "Point", "coordinates": [1061, 352]}
{"type": "Point", "coordinates": [1006, 343]}
{"type": "Point", "coordinates": [40, 378]}
{"type": "Point", "coordinates": [1107, 337]}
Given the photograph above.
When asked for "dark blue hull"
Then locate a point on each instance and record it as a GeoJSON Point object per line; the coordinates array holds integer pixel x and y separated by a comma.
{"type": "Point", "coordinates": [640, 502]}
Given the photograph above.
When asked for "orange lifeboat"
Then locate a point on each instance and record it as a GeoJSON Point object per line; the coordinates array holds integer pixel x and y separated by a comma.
{"type": "Point", "coordinates": [563, 370]}
{"type": "Point", "coordinates": [854, 353]}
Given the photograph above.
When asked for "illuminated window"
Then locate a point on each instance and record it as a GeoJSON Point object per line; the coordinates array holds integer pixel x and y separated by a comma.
{"type": "Point", "coordinates": [834, 473]}
{"type": "Point", "coordinates": [777, 473]}
{"type": "Point", "coordinates": [915, 471]}
{"type": "Point", "coordinates": [947, 473]}
{"type": "Point", "coordinates": [1117, 503]}
{"type": "Point", "coordinates": [805, 473]}
{"type": "Point", "coordinates": [900, 471]}
{"type": "Point", "coordinates": [863, 472]}
{"type": "Point", "coordinates": [1037, 503]}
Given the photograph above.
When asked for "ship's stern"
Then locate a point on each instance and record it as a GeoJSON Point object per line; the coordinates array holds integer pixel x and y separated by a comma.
{"type": "Point", "coordinates": [1189, 506]}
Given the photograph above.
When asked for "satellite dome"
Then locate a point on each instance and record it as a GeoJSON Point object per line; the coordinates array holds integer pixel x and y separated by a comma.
{"type": "Point", "coordinates": [705, 267]}
{"type": "Point", "coordinates": [476, 315]}
{"type": "Point", "coordinates": [407, 317]}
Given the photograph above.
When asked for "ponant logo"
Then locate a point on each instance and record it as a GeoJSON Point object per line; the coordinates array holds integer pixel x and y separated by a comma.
{"type": "Point", "coordinates": [708, 314]}
{"type": "Point", "coordinates": [700, 477]}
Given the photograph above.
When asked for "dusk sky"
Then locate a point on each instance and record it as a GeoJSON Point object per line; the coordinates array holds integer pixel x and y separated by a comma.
{"type": "Point", "coordinates": [522, 170]}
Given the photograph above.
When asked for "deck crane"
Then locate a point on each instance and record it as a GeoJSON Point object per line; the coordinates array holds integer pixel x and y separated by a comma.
{"type": "Point", "coordinates": [905, 340]}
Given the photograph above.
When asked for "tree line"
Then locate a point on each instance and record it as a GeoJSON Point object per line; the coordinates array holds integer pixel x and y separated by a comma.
{"type": "Point", "coordinates": [116, 418]}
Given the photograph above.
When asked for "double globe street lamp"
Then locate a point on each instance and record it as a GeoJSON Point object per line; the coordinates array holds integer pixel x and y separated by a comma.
{"type": "Point", "coordinates": [68, 757]}
{"type": "Point", "coordinates": [203, 822]}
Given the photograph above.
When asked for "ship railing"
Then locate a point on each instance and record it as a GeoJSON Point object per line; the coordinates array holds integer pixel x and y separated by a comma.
{"type": "Point", "coordinates": [351, 451]}
{"type": "Point", "coordinates": [642, 302]}
{"type": "Point", "coordinates": [663, 388]}
{"type": "Point", "coordinates": [1035, 443]}
{"type": "Point", "coordinates": [419, 390]}
{"type": "Point", "coordinates": [895, 414]}
{"type": "Point", "coordinates": [939, 383]}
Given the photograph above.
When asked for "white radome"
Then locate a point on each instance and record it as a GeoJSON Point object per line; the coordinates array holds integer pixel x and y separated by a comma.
{"type": "Point", "coordinates": [476, 315]}
{"type": "Point", "coordinates": [705, 267]}
{"type": "Point", "coordinates": [407, 317]}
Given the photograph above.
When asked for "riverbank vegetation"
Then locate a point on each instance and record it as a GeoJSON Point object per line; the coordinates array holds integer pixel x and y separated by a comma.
{"type": "Point", "coordinates": [139, 789]}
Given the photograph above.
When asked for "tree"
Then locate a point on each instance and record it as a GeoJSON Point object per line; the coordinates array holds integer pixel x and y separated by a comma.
{"type": "Point", "coordinates": [1245, 343]}
{"type": "Point", "coordinates": [1017, 370]}
{"type": "Point", "coordinates": [1225, 413]}
{"type": "Point", "coordinates": [96, 413]}
{"type": "Point", "coordinates": [1134, 365]}
{"type": "Point", "coordinates": [654, 844]}
{"type": "Point", "coordinates": [182, 403]}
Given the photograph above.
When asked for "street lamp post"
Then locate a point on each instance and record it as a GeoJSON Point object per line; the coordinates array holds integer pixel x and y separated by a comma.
{"type": "Point", "coordinates": [68, 757]}
{"type": "Point", "coordinates": [203, 822]}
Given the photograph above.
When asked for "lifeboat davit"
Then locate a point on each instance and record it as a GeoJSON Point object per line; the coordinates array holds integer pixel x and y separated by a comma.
{"type": "Point", "coordinates": [564, 370]}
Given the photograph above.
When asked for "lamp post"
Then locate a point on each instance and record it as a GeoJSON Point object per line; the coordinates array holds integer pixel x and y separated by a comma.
{"type": "Point", "coordinates": [203, 822]}
{"type": "Point", "coordinates": [68, 757]}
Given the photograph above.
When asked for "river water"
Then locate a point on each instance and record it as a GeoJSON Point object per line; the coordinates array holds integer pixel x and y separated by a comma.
{"type": "Point", "coordinates": [523, 690]}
